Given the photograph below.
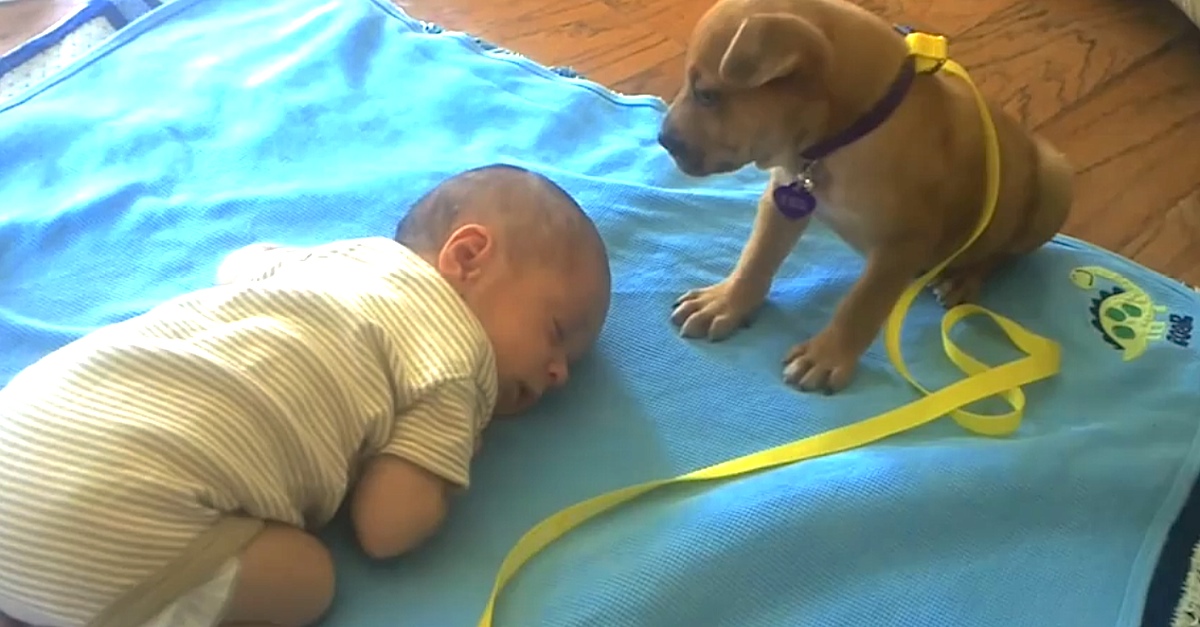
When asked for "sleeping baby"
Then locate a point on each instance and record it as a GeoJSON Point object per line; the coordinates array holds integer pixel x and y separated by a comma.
{"type": "Point", "coordinates": [169, 470]}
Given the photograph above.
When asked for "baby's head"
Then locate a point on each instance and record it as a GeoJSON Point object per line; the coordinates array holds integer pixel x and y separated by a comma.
{"type": "Point", "coordinates": [542, 302]}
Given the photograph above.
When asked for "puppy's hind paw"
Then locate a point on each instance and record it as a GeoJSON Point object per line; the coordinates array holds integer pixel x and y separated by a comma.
{"type": "Point", "coordinates": [958, 286]}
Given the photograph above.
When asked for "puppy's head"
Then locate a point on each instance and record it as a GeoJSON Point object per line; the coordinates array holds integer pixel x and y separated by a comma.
{"type": "Point", "coordinates": [755, 91]}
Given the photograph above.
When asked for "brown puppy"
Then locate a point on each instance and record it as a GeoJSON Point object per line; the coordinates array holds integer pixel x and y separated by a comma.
{"type": "Point", "coordinates": [768, 79]}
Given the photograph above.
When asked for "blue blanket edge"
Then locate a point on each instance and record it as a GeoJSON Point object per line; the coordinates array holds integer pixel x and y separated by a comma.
{"type": "Point", "coordinates": [1139, 594]}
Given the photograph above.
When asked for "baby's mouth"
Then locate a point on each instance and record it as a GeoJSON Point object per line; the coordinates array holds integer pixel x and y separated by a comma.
{"type": "Point", "coordinates": [525, 396]}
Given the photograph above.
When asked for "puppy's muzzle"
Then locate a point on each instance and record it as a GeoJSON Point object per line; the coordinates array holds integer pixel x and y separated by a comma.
{"type": "Point", "coordinates": [671, 142]}
{"type": "Point", "coordinates": [686, 157]}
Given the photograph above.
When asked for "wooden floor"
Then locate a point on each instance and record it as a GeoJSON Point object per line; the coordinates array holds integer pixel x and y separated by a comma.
{"type": "Point", "coordinates": [1114, 83]}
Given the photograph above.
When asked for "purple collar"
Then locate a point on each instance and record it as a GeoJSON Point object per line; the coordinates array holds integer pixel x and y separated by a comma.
{"type": "Point", "coordinates": [870, 120]}
{"type": "Point", "coordinates": [795, 200]}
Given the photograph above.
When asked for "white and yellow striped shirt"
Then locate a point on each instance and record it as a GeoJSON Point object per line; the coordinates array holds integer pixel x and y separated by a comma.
{"type": "Point", "coordinates": [259, 397]}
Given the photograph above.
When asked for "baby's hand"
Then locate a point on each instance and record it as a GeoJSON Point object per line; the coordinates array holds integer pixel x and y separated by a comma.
{"type": "Point", "coordinates": [397, 506]}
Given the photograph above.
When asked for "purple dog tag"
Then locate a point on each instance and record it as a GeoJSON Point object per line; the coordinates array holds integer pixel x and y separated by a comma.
{"type": "Point", "coordinates": [794, 201]}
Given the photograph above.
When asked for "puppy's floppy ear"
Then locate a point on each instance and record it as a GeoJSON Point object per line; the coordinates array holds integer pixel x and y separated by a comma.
{"type": "Point", "coordinates": [771, 45]}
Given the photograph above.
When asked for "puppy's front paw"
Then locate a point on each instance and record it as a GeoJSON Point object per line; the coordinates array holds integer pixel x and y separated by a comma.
{"type": "Point", "coordinates": [716, 311]}
{"type": "Point", "coordinates": [826, 363]}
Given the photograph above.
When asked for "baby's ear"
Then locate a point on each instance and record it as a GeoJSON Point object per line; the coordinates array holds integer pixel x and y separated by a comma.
{"type": "Point", "coordinates": [466, 252]}
{"type": "Point", "coordinates": [772, 45]}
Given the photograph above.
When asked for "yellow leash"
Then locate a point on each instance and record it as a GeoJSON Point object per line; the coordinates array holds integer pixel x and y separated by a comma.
{"type": "Point", "coordinates": [1041, 362]}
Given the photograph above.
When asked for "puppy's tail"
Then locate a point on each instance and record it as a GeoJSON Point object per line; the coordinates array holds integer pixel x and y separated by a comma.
{"type": "Point", "coordinates": [1052, 198]}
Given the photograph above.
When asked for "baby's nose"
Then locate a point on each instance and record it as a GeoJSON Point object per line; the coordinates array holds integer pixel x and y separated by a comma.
{"type": "Point", "coordinates": [558, 373]}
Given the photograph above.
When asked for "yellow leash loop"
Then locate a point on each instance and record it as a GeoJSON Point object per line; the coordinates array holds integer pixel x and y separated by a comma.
{"type": "Point", "coordinates": [1041, 361]}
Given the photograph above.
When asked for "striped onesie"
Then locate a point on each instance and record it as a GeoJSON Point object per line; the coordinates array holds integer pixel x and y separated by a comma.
{"type": "Point", "coordinates": [138, 459]}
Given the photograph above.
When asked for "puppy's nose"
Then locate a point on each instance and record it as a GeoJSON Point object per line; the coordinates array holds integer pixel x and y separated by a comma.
{"type": "Point", "coordinates": [671, 142]}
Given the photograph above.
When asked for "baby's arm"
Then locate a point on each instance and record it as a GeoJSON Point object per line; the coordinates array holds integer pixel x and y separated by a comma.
{"type": "Point", "coordinates": [397, 506]}
{"type": "Point", "coordinates": [402, 497]}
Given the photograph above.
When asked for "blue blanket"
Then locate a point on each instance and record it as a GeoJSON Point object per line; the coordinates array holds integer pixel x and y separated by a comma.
{"type": "Point", "coordinates": [209, 124]}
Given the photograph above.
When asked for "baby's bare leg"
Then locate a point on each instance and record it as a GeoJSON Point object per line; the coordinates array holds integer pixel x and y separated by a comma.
{"type": "Point", "coordinates": [285, 580]}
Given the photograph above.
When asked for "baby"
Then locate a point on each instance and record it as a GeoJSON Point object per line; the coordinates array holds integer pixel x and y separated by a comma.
{"type": "Point", "coordinates": [167, 470]}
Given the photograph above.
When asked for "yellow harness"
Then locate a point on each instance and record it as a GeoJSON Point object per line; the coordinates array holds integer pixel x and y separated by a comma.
{"type": "Point", "coordinates": [1041, 361]}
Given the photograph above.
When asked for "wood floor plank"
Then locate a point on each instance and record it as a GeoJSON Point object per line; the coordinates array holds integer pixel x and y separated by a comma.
{"type": "Point", "coordinates": [1036, 59]}
{"type": "Point", "coordinates": [1171, 242]}
{"type": "Point", "coordinates": [588, 36]}
{"type": "Point", "coordinates": [662, 79]}
{"type": "Point", "coordinates": [673, 18]}
{"type": "Point", "coordinates": [1134, 145]}
{"type": "Point", "coordinates": [25, 19]}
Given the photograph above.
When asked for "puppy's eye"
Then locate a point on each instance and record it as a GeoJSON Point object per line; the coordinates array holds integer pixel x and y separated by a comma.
{"type": "Point", "coordinates": [705, 97]}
